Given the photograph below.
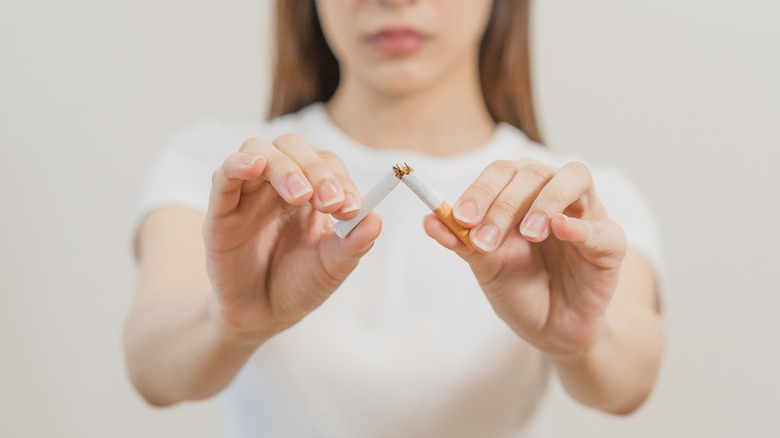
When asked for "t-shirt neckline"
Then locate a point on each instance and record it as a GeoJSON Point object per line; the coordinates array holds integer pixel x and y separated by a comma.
{"type": "Point", "coordinates": [330, 134]}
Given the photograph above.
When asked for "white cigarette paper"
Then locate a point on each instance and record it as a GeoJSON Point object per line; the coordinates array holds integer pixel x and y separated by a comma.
{"type": "Point", "coordinates": [423, 190]}
{"type": "Point", "coordinates": [370, 201]}
{"type": "Point", "coordinates": [436, 203]}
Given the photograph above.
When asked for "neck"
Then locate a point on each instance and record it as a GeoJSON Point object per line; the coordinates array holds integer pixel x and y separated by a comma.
{"type": "Point", "coordinates": [447, 118]}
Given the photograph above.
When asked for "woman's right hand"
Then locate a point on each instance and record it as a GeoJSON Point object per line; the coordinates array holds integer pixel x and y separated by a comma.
{"type": "Point", "coordinates": [271, 256]}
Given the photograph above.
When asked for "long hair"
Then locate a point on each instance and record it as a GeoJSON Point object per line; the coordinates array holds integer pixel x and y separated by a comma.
{"type": "Point", "coordinates": [306, 71]}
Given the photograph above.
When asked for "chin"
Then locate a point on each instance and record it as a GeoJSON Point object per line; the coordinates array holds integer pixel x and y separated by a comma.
{"type": "Point", "coordinates": [398, 89]}
{"type": "Point", "coordinates": [399, 80]}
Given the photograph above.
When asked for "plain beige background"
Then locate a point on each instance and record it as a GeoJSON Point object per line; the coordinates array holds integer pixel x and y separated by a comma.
{"type": "Point", "coordinates": [682, 94]}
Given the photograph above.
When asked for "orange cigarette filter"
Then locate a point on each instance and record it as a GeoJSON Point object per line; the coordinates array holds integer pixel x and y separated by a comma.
{"type": "Point", "coordinates": [433, 200]}
{"type": "Point", "coordinates": [444, 212]}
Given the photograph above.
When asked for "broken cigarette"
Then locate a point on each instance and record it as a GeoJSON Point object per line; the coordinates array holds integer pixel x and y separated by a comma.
{"type": "Point", "coordinates": [370, 201]}
{"type": "Point", "coordinates": [420, 187]}
{"type": "Point", "coordinates": [434, 201]}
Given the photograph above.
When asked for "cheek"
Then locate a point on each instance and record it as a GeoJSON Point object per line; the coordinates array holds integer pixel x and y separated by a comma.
{"type": "Point", "coordinates": [464, 23]}
{"type": "Point", "coordinates": [336, 19]}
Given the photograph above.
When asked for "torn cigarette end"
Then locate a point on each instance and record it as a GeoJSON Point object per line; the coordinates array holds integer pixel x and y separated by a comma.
{"type": "Point", "coordinates": [401, 171]}
{"type": "Point", "coordinates": [444, 212]}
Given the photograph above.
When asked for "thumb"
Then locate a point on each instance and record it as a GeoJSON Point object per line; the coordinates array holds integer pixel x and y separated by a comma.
{"type": "Point", "coordinates": [339, 257]}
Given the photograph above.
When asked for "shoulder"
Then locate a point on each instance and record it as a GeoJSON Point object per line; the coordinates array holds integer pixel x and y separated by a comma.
{"type": "Point", "coordinates": [180, 174]}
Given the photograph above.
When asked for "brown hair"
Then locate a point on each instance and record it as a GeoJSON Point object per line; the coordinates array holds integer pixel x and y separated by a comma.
{"type": "Point", "coordinates": [306, 71]}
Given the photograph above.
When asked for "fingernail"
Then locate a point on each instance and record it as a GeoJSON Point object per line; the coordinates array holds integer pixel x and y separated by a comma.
{"type": "Point", "coordinates": [297, 186]}
{"type": "Point", "coordinates": [329, 194]}
{"type": "Point", "coordinates": [350, 203]}
{"type": "Point", "coordinates": [467, 212]}
{"type": "Point", "coordinates": [486, 237]}
{"type": "Point", "coordinates": [534, 226]}
{"type": "Point", "coordinates": [249, 160]}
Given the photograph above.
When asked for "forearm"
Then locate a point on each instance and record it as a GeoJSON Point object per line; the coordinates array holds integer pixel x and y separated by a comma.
{"type": "Point", "coordinates": [176, 350]}
{"type": "Point", "coordinates": [619, 371]}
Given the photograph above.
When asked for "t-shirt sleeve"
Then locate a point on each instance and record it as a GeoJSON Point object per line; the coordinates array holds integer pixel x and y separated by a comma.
{"type": "Point", "coordinates": [628, 208]}
{"type": "Point", "coordinates": [180, 174]}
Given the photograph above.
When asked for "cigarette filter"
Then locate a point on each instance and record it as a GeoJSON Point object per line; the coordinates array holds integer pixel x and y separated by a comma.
{"type": "Point", "coordinates": [370, 201]}
{"type": "Point", "coordinates": [434, 201]}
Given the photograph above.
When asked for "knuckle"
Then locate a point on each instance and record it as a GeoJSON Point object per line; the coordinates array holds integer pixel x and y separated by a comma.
{"type": "Point", "coordinates": [232, 158]}
{"type": "Point", "coordinates": [525, 162]}
{"type": "Point", "coordinates": [481, 190]}
{"type": "Point", "coordinates": [579, 168]}
{"type": "Point", "coordinates": [334, 163]}
{"type": "Point", "coordinates": [538, 171]}
{"type": "Point", "coordinates": [504, 167]}
{"type": "Point", "coordinates": [289, 139]}
{"type": "Point", "coordinates": [250, 143]}
{"type": "Point", "coordinates": [554, 196]}
{"type": "Point", "coordinates": [280, 164]}
{"type": "Point", "coordinates": [316, 167]}
{"type": "Point", "coordinates": [504, 209]}
{"type": "Point", "coordinates": [222, 172]}
{"type": "Point", "coordinates": [328, 156]}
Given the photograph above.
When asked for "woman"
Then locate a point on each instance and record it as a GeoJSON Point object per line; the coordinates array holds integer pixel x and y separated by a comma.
{"type": "Point", "coordinates": [245, 288]}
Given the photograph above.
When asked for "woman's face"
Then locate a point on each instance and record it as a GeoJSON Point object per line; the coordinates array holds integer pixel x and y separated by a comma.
{"type": "Point", "coordinates": [399, 46]}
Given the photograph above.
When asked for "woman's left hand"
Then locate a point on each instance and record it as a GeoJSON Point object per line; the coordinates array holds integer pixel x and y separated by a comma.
{"type": "Point", "coordinates": [547, 257]}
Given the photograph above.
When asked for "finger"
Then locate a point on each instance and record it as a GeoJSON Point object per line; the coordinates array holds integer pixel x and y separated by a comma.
{"type": "Point", "coordinates": [281, 171]}
{"type": "Point", "coordinates": [571, 184]}
{"type": "Point", "coordinates": [483, 265]}
{"type": "Point", "coordinates": [339, 257]}
{"type": "Point", "coordinates": [352, 199]}
{"type": "Point", "coordinates": [596, 240]}
{"type": "Point", "coordinates": [328, 194]}
{"type": "Point", "coordinates": [227, 180]}
{"type": "Point", "coordinates": [439, 232]}
{"type": "Point", "coordinates": [472, 205]}
{"type": "Point", "coordinates": [510, 206]}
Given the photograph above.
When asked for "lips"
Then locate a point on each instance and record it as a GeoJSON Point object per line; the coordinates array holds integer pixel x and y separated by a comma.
{"type": "Point", "coordinates": [398, 42]}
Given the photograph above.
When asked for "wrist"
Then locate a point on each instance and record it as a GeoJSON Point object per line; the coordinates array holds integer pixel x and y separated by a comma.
{"type": "Point", "coordinates": [234, 334]}
{"type": "Point", "coordinates": [583, 356]}
{"type": "Point", "coordinates": [582, 352]}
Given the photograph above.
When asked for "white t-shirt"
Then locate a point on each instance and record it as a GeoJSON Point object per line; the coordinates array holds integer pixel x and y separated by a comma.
{"type": "Point", "coordinates": [408, 346]}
